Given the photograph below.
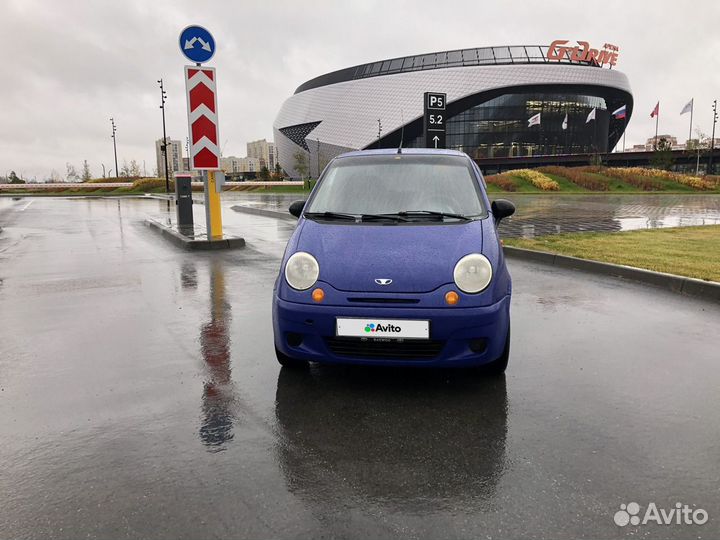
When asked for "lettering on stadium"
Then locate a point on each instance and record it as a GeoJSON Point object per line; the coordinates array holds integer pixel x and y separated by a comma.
{"type": "Point", "coordinates": [582, 52]}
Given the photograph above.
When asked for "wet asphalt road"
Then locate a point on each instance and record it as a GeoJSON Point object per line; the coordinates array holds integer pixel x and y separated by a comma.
{"type": "Point", "coordinates": [140, 398]}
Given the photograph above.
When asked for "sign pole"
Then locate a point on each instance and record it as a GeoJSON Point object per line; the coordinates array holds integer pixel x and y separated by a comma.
{"type": "Point", "coordinates": [212, 202]}
{"type": "Point", "coordinates": [198, 46]}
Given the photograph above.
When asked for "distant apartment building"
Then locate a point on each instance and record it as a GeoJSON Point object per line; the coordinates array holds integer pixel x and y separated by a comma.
{"type": "Point", "coordinates": [174, 157]}
{"type": "Point", "coordinates": [232, 164]}
{"type": "Point", "coordinates": [265, 151]}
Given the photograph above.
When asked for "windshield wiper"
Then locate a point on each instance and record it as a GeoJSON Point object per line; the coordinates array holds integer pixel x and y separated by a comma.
{"type": "Point", "coordinates": [354, 217]}
{"type": "Point", "coordinates": [331, 215]}
{"type": "Point", "coordinates": [420, 213]}
{"type": "Point", "coordinates": [376, 217]}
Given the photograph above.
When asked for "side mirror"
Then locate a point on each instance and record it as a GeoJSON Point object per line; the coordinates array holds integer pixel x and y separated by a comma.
{"type": "Point", "coordinates": [296, 208]}
{"type": "Point", "coordinates": [502, 208]}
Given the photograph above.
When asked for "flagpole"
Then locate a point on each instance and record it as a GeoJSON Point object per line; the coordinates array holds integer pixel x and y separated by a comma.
{"type": "Point", "coordinates": [691, 115]}
{"type": "Point", "coordinates": [624, 130]}
{"type": "Point", "coordinates": [657, 117]}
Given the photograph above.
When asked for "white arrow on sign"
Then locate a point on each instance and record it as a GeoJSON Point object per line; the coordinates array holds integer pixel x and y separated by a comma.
{"type": "Point", "coordinates": [436, 139]}
{"type": "Point", "coordinates": [190, 43]}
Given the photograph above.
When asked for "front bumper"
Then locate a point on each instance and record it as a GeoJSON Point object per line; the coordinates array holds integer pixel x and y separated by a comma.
{"type": "Point", "coordinates": [307, 332]}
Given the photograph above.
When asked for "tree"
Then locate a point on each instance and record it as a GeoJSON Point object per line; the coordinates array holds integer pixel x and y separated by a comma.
{"type": "Point", "coordinates": [71, 173]}
{"type": "Point", "coordinates": [55, 177]}
{"type": "Point", "coordinates": [13, 178]}
{"type": "Point", "coordinates": [301, 165]}
{"type": "Point", "coordinates": [662, 156]}
{"type": "Point", "coordinates": [86, 175]}
{"type": "Point", "coordinates": [134, 168]}
{"type": "Point", "coordinates": [125, 169]}
{"type": "Point", "coordinates": [278, 173]}
{"type": "Point", "coordinates": [264, 174]}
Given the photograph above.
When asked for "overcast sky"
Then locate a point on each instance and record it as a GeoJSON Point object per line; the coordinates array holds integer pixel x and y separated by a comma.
{"type": "Point", "coordinates": [71, 65]}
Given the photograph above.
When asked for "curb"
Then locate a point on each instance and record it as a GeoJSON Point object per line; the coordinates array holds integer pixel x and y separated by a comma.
{"type": "Point", "coordinates": [677, 284]}
{"type": "Point", "coordinates": [191, 244]}
{"type": "Point", "coordinates": [263, 212]}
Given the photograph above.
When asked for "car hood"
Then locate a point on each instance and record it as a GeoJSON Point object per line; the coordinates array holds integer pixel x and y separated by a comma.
{"type": "Point", "coordinates": [417, 258]}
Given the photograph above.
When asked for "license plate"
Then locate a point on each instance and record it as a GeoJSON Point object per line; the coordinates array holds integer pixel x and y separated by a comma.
{"type": "Point", "coordinates": [383, 328]}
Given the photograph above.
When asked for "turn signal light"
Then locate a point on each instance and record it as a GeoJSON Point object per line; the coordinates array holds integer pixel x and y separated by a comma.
{"type": "Point", "coordinates": [452, 298]}
{"type": "Point", "coordinates": [318, 295]}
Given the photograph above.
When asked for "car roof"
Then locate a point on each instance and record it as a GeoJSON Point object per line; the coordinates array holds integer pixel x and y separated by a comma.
{"type": "Point", "coordinates": [405, 151]}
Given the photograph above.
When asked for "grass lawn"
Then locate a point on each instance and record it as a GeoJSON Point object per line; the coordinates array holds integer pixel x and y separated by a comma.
{"type": "Point", "coordinates": [685, 251]}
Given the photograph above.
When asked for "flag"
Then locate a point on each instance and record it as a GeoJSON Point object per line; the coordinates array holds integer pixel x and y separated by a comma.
{"type": "Point", "coordinates": [688, 108]}
{"type": "Point", "coordinates": [564, 124]}
{"type": "Point", "coordinates": [656, 111]}
{"type": "Point", "coordinates": [534, 120]}
{"type": "Point", "coordinates": [620, 112]}
{"type": "Point", "coordinates": [591, 116]}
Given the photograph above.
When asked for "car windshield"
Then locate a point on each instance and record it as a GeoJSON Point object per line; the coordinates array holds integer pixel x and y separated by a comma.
{"type": "Point", "coordinates": [395, 183]}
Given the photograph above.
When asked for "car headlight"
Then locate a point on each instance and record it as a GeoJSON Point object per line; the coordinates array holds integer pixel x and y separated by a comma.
{"type": "Point", "coordinates": [472, 273]}
{"type": "Point", "coordinates": [301, 271]}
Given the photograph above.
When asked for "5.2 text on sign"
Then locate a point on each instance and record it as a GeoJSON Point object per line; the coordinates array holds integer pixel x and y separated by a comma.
{"type": "Point", "coordinates": [434, 119]}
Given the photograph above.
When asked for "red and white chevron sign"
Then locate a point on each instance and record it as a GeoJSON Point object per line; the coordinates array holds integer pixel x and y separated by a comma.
{"type": "Point", "coordinates": [202, 118]}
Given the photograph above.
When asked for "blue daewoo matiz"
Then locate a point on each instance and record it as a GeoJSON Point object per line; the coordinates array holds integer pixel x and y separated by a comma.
{"type": "Point", "coordinates": [395, 260]}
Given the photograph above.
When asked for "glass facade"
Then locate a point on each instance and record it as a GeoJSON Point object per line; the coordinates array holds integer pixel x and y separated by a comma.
{"type": "Point", "coordinates": [499, 127]}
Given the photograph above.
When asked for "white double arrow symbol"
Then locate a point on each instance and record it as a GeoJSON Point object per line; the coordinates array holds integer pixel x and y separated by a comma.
{"type": "Point", "coordinates": [190, 43]}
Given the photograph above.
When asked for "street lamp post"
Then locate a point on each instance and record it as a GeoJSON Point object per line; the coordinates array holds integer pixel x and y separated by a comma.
{"type": "Point", "coordinates": [114, 129]}
{"type": "Point", "coordinates": [163, 147]}
{"type": "Point", "coordinates": [712, 139]}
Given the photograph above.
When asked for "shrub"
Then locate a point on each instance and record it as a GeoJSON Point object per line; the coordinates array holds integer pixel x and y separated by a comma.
{"type": "Point", "coordinates": [633, 176]}
{"type": "Point", "coordinates": [577, 177]}
{"type": "Point", "coordinates": [694, 182]}
{"type": "Point", "coordinates": [503, 181]}
{"type": "Point", "coordinates": [714, 180]}
{"type": "Point", "coordinates": [537, 179]}
{"type": "Point", "coordinates": [640, 176]}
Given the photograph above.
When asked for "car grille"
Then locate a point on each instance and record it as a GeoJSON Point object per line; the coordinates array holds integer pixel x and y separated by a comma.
{"type": "Point", "coordinates": [385, 300]}
{"type": "Point", "coordinates": [411, 349]}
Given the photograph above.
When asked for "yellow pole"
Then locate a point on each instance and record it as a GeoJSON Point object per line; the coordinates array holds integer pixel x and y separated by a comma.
{"type": "Point", "coordinates": [212, 198]}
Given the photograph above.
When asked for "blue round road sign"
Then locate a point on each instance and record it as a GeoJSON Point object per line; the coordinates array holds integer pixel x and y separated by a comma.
{"type": "Point", "coordinates": [197, 44]}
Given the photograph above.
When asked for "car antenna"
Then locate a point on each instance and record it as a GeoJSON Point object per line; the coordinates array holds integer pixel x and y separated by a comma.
{"type": "Point", "coordinates": [402, 131]}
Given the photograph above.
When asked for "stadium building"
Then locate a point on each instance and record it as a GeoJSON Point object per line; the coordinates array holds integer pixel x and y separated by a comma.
{"type": "Point", "coordinates": [492, 93]}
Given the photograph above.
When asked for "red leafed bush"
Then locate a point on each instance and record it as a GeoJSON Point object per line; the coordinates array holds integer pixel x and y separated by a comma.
{"type": "Point", "coordinates": [577, 177]}
{"type": "Point", "coordinates": [501, 181]}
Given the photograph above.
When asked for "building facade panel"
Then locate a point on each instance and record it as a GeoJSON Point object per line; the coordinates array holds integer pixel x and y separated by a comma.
{"type": "Point", "coordinates": [347, 112]}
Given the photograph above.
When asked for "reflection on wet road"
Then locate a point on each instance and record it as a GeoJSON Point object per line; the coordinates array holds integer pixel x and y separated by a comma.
{"type": "Point", "coordinates": [552, 214]}
{"type": "Point", "coordinates": [140, 398]}
{"type": "Point", "coordinates": [437, 439]}
{"type": "Point", "coordinates": [218, 388]}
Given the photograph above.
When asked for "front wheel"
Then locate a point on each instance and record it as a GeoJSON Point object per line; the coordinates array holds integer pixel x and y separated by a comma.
{"type": "Point", "coordinates": [288, 362]}
{"type": "Point", "coordinates": [498, 367]}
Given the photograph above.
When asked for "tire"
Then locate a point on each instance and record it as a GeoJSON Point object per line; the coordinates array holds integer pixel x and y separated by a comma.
{"type": "Point", "coordinates": [288, 362]}
{"type": "Point", "coordinates": [498, 367]}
